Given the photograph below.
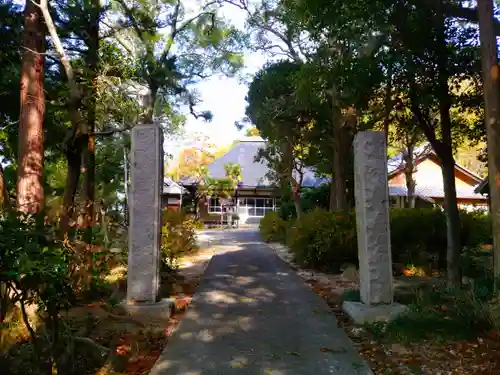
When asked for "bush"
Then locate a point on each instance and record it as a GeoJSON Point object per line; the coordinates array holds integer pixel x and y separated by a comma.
{"type": "Point", "coordinates": [324, 240]}
{"type": "Point", "coordinates": [273, 228]}
{"type": "Point", "coordinates": [37, 268]}
{"type": "Point", "coordinates": [440, 314]}
{"type": "Point", "coordinates": [476, 229]}
{"type": "Point", "coordinates": [418, 235]}
{"type": "Point", "coordinates": [178, 236]}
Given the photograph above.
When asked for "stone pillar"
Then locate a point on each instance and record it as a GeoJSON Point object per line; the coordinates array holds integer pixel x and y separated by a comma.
{"type": "Point", "coordinates": [146, 185]}
{"type": "Point", "coordinates": [372, 218]}
{"type": "Point", "coordinates": [372, 221]}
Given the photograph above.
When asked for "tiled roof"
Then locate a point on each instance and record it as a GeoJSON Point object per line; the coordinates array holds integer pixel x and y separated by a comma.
{"type": "Point", "coordinates": [253, 173]}
{"type": "Point", "coordinates": [420, 153]}
{"type": "Point", "coordinates": [435, 192]}
{"type": "Point", "coordinates": [396, 162]}
{"type": "Point", "coordinates": [483, 187]}
{"type": "Point", "coordinates": [171, 187]}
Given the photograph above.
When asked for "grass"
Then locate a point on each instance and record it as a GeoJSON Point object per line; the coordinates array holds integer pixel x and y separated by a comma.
{"type": "Point", "coordinates": [440, 315]}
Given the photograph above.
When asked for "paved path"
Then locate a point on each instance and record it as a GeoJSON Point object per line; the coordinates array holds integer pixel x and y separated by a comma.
{"type": "Point", "coordinates": [253, 315]}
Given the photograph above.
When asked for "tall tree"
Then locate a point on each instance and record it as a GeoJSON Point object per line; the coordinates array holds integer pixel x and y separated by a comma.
{"type": "Point", "coordinates": [274, 109]}
{"type": "Point", "coordinates": [30, 193]}
{"type": "Point", "coordinates": [491, 84]}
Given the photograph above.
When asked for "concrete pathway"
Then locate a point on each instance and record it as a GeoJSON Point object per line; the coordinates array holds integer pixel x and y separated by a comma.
{"type": "Point", "coordinates": [253, 315]}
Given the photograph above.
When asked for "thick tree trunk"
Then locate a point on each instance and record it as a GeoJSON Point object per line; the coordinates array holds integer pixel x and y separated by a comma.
{"type": "Point", "coordinates": [409, 168]}
{"type": "Point", "coordinates": [89, 151]}
{"type": "Point", "coordinates": [492, 105]}
{"type": "Point", "coordinates": [445, 153]}
{"type": "Point", "coordinates": [30, 192]}
{"type": "Point", "coordinates": [4, 192]}
{"type": "Point", "coordinates": [79, 130]}
{"type": "Point", "coordinates": [296, 198]}
{"type": "Point", "coordinates": [452, 219]}
{"type": "Point", "coordinates": [74, 162]}
{"type": "Point", "coordinates": [333, 193]}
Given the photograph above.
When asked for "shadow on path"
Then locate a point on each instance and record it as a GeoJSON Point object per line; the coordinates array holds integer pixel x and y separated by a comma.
{"type": "Point", "coordinates": [253, 315]}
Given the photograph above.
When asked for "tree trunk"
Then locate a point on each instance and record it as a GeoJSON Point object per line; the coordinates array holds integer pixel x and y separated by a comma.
{"type": "Point", "coordinates": [74, 162]}
{"type": "Point", "coordinates": [452, 219]}
{"type": "Point", "coordinates": [89, 151]}
{"type": "Point", "coordinates": [409, 168]}
{"type": "Point", "coordinates": [4, 193]}
{"type": "Point", "coordinates": [445, 153]}
{"type": "Point", "coordinates": [492, 106]}
{"type": "Point", "coordinates": [79, 128]}
{"type": "Point", "coordinates": [333, 193]}
{"type": "Point", "coordinates": [296, 198]}
{"type": "Point", "coordinates": [30, 192]}
{"type": "Point", "coordinates": [388, 103]}
{"type": "Point", "coordinates": [338, 201]}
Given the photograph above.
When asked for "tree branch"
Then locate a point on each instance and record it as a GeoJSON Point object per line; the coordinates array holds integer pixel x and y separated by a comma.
{"type": "Point", "coordinates": [109, 132]}
{"type": "Point", "coordinates": [76, 119]}
{"type": "Point", "coordinates": [466, 14]}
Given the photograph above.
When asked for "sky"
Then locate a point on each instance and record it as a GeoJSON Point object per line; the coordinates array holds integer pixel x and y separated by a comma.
{"type": "Point", "coordinates": [223, 96]}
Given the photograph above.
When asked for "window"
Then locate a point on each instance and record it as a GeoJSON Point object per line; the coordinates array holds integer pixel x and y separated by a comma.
{"type": "Point", "coordinates": [393, 202]}
{"type": "Point", "coordinates": [214, 206]}
{"type": "Point", "coordinates": [256, 207]}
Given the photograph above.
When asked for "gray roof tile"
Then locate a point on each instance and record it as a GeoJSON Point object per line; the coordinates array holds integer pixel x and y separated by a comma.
{"type": "Point", "coordinates": [434, 192]}
{"type": "Point", "coordinates": [253, 173]}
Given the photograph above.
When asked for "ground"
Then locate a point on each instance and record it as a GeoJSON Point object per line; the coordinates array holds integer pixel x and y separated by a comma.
{"type": "Point", "coordinates": [479, 356]}
{"type": "Point", "coordinates": [253, 315]}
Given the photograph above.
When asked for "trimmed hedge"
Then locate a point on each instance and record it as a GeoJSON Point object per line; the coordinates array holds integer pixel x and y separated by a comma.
{"type": "Point", "coordinates": [326, 240]}
{"type": "Point", "coordinates": [418, 236]}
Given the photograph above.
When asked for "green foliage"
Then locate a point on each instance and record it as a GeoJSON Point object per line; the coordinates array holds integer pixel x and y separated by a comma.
{"type": "Point", "coordinates": [273, 228]}
{"type": "Point", "coordinates": [281, 118]}
{"type": "Point", "coordinates": [221, 187]}
{"type": "Point", "coordinates": [324, 240]}
{"type": "Point", "coordinates": [439, 314]}
{"type": "Point", "coordinates": [418, 236]}
{"type": "Point", "coordinates": [34, 263]}
{"type": "Point", "coordinates": [178, 236]}
{"type": "Point", "coordinates": [310, 198]}
{"type": "Point", "coordinates": [36, 268]}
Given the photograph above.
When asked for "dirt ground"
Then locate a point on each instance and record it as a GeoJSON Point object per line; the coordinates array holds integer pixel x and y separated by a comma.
{"type": "Point", "coordinates": [480, 356]}
{"type": "Point", "coordinates": [135, 342]}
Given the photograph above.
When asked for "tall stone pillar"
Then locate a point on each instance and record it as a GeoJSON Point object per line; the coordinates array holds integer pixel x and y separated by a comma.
{"type": "Point", "coordinates": [146, 185]}
{"type": "Point", "coordinates": [372, 221]}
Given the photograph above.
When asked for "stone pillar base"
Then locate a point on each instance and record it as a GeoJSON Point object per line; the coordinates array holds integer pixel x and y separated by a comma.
{"type": "Point", "coordinates": [159, 311]}
{"type": "Point", "coordinates": [361, 313]}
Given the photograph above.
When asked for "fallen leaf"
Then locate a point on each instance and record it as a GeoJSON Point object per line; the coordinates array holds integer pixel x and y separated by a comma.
{"type": "Point", "coordinates": [330, 350]}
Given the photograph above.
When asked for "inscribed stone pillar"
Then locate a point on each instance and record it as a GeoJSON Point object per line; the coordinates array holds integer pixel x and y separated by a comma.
{"type": "Point", "coordinates": [372, 218]}
{"type": "Point", "coordinates": [146, 179]}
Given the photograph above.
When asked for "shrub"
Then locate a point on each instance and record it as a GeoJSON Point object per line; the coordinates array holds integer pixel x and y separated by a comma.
{"type": "Point", "coordinates": [273, 228]}
{"type": "Point", "coordinates": [324, 240]}
{"type": "Point", "coordinates": [178, 236]}
{"type": "Point", "coordinates": [476, 229]}
{"type": "Point", "coordinates": [418, 235]}
{"type": "Point", "coordinates": [36, 268]}
{"type": "Point", "coordinates": [440, 314]}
